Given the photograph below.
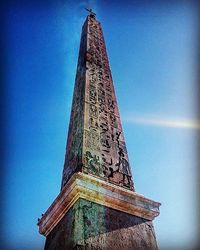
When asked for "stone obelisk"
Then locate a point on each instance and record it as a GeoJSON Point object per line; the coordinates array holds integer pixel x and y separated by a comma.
{"type": "Point", "coordinates": [97, 207]}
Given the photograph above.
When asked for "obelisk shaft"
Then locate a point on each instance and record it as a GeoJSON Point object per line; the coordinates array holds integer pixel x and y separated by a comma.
{"type": "Point", "coordinates": [95, 139]}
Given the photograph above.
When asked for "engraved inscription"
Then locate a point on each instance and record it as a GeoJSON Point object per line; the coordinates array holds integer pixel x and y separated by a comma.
{"type": "Point", "coordinates": [103, 115]}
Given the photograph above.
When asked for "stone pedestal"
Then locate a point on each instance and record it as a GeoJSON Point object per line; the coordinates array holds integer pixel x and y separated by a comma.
{"type": "Point", "coordinates": [90, 213]}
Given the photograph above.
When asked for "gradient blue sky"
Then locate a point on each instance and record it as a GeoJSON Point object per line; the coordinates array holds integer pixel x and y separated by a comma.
{"type": "Point", "coordinates": [151, 46]}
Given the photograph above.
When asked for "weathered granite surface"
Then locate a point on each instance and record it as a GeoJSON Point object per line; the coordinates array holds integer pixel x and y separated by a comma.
{"type": "Point", "coordinates": [91, 226]}
{"type": "Point", "coordinates": [95, 143]}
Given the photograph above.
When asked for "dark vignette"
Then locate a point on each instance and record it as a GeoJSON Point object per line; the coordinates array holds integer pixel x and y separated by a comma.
{"type": "Point", "coordinates": [4, 5]}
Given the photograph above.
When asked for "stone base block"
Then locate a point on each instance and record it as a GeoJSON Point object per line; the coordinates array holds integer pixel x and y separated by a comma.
{"type": "Point", "coordinates": [90, 213]}
{"type": "Point", "coordinates": [91, 226]}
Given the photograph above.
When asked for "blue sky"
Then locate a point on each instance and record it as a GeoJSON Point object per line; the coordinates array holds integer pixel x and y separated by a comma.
{"type": "Point", "coordinates": [151, 47]}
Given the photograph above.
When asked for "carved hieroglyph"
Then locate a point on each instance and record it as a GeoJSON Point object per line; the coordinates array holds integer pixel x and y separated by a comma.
{"type": "Point", "coordinates": [95, 139]}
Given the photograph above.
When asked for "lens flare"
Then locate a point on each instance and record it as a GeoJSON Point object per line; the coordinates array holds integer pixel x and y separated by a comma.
{"type": "Point", "coordinates": [164, 122]}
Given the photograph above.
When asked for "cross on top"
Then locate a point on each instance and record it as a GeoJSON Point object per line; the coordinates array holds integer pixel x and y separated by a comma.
{"type": "Point", "coordinates": [92, 14]}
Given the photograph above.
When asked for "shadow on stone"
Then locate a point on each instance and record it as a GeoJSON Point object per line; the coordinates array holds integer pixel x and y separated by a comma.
{"type": "Point", "coordinates": [88, 225]}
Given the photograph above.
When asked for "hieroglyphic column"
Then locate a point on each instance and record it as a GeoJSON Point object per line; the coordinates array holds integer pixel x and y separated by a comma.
{"type": "Point", "coordinates": [95, 140]}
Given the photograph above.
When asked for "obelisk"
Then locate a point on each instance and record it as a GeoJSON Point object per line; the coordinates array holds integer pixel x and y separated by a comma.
{"type": "Point", "coordinates": [97, 207]}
